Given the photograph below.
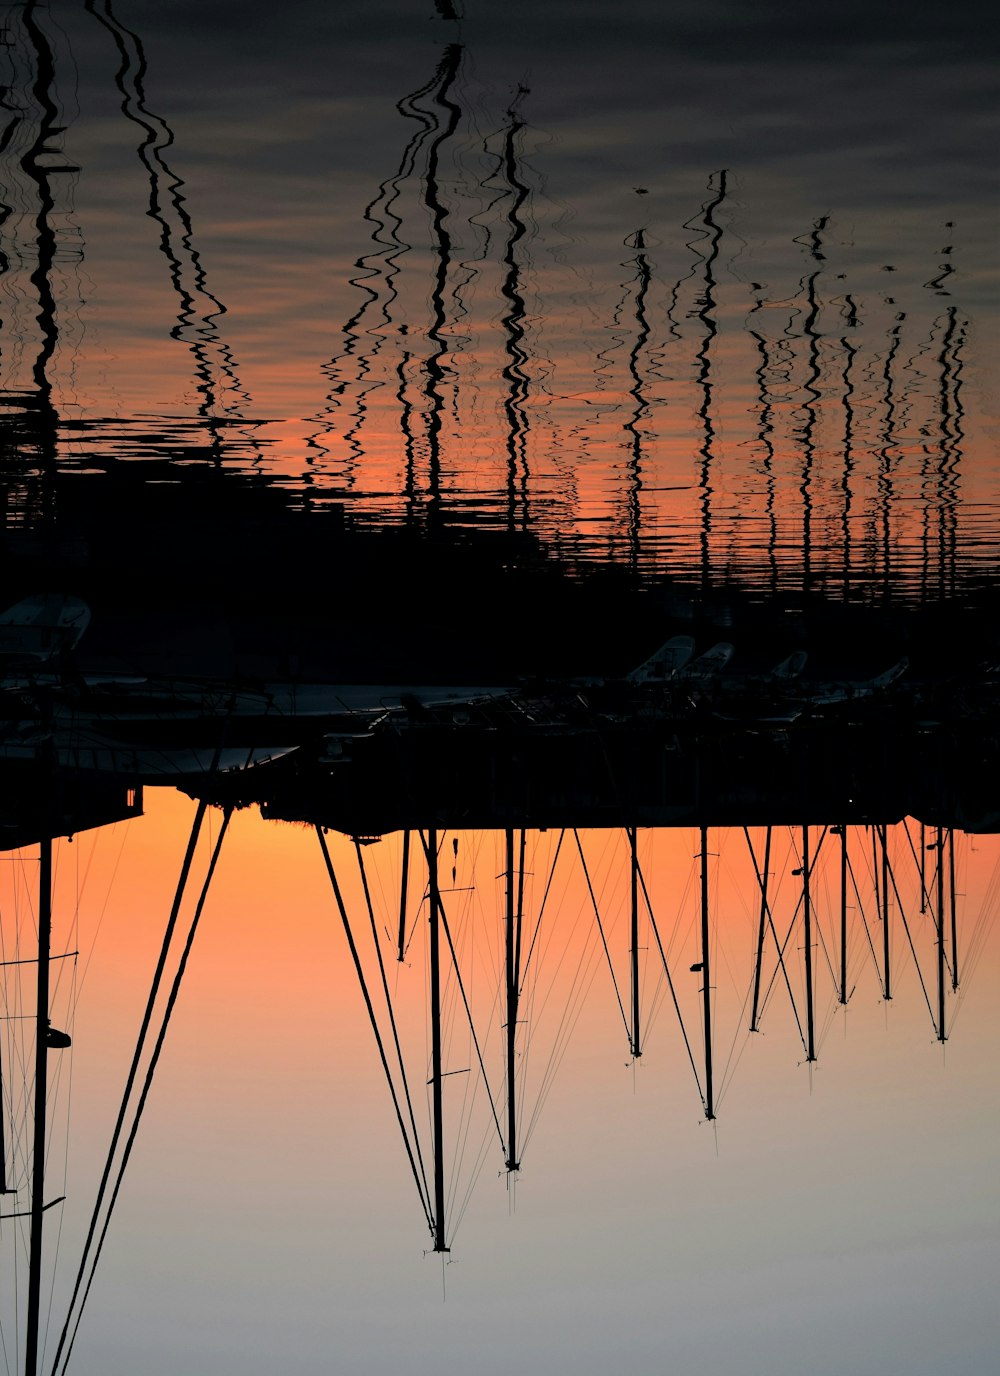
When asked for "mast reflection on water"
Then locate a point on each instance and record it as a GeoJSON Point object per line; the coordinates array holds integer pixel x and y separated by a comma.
{"type": "Point", "coordinates": [721, 851]}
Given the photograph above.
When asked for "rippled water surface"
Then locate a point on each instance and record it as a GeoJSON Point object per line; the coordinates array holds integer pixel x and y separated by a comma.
{"type": "Point", "coordinates": [450, 342]}
{"type": "Point", "coordinates": [707, 291]}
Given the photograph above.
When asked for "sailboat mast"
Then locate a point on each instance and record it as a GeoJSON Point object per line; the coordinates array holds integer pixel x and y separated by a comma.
{"type": "Point", "coordinates": [885, 911]}
{"type": "Point", "coordinates": [4, 1187]}
{"type": "Point", "coordinates": [843, 913]}
{"type": "Point", "coordinates": [706, 989]}
{"type": "Point", "coordinates": [942, 1034]}
{"type": "Point", "coordinates": [807, 922]}
{"type": "Point", "coordinates": [3, 1137]}
{"type": "Point", "coordinates": [434, 917]}
{"type": "Point", "coordinates": [762, 880]}
{"type": "Point", "coordinates": [636, 1041]}
{"type": "Point", "coordinates": [404, 877]}
{"type": "Point", "coordinates": [512, 991]}
{"type": "Point", "coordinates": [41, 1088]}
{"type": "Point", "coordinates": [951, 899]}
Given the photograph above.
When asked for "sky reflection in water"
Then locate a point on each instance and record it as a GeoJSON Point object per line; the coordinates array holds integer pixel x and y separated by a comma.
{"type": "Point", "coordinates": [706, 292]}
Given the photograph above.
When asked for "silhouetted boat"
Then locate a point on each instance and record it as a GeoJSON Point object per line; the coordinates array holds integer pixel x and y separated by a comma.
{"type": "Point", "coordinates": [828, 694]}
{"type": "Point", "coordinates": [151, 730]}
{"type": "Point", "coordinates": [791, 667]}
{"type": "Point", "coordinates": [711, 663]}
{"type": "Point", "coordinates": [41, 627]}
{"type": "Point", "coordinates": [668, 660]}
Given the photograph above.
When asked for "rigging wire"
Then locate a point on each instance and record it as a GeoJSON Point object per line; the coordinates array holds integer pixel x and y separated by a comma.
{"type": "Point", "coordinates": [374, 1023]}
{"type": "Point", "coordinates": [580, 986]}
{"type": "Point", "coordinates": [104, 907]}
{"type": "Point", "coordinates": [468, 1013]}
{"type": "Point", "coordinates": [729, 1069]}
{"type": "Point", "coordinates": [457, 1207]}
{"type": "Point", "coordinates": [682, 907]}
{"type": "Point", "coordinates": [454, 1209]}
{"type": "Point", "coordinates": [822, 943]}
{"type": "Point", "coordinates": [977, 940]}
{"type": "Point", "coordinates": [924, 894]}
{"type": "Point", "coordinates": [71, 1061]}
{"type": "Point", "coordinates": [199, 818]}
{"type": "Point", "coordinates": [564, 1031]}
{"type": "Point", "coordinates": [532, 1001]}
{"type": "Point", "coordinates": [799, 904]}
{"type": "Point", "coordinates": [541, 910]}
{"type": "Point", "coordinates": [454, 1212]}
{"type": "Point", "coordinates": [864, 922]}
{"type": "Point", "coordinates": [779, 947]}
{"type": "Point", "coordinates": [392, 1018]}
{"type": "Point", "coordinates": [147, 1084]}
{"type": "Point", "coordinates": [909, 938]}
{"type": "Point", "coordinates": [600, 928]}
{"type": "Point", "coordinates": [670, 983]}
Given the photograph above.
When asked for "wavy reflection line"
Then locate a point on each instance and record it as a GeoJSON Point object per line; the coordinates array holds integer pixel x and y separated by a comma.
{"type": "Point", "coordinates": [945, 270]}
{"type": "Point", "coordinates": [383, 263]}
{"type": "Point", "coordinates": [847, 471]}
{"type": "Point", "coordinates": [467, 270]}
{"type": "Point", "coordinates": [604, 360]}
{"type": "Point", "coordinates": [38, 173]}
{"type": "Point", "coordinates": [766, 438]}
{"type": "Point", "coordinates": [658, 357]}
{"type": "Point", "coordinates": [503, 181]}
{"type": "Point", "coordinates": [912, 370]}
{"type": "Point", "coordinates": [527, 182]}
{"type": "Point", "coordinates": [406, 411]}
{"type": "Point", "coordinates": [364, 365]}
{"type": "Point", "coordinates": [199, 310]}
{"type": "Point", "coordinates": [434, 368]}
{"type": "Point", "coordinates": [40, 413]}
{"type": "Point", "coordinates": [7, 136]}
{"type": "Point", "coordinates": [479, 220]}
{"type": "Point", "coordinates": [643, 278]}
{"type": "Point", "coordinates": [703, 358]}
{"type": "Point", "coordinates": [783, 368]}
{"type": "Point", "coordinates": [930, 427]}
{"type": "Point", "coordinates": [946, 421]}
{"type": "Point", "coordinates": [386, 264]}
{"type": "Point", "coordinates": [952, 410]}
{"type": "Point", "coordinates": [513, 371]}
{"type": "Point", "coordinates": [957, 449]}
{"type": "Point", "coordinates": [813, 242]}
{"type": "Point", "coordinates": [884, 455]}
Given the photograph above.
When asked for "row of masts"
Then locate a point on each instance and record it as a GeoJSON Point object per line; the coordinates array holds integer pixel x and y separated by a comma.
{"type": "Point", "coordinates": [886, 889]}
{"type": "Point", "coordinates": [933, 865]}
{"type": "Point", "coordinates": [936, 896]}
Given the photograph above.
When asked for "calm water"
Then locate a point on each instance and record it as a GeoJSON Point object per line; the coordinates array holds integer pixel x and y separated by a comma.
{"type": "Point", "coordinates": [412, 340]}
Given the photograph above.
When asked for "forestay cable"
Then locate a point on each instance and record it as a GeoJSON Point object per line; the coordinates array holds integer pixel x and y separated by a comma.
{"type": "Point", "coordinates": [154, 1058]}
{"type": "Point", "coordinates": [600, 928]}
{"type": "Point", "coordinates": [392, 1018]}
{"type": "Point", "coordinates": [424, 1203]}
{"type": "Point", "coordinates": [134, 1067]}
{"type": "Point", "coordinates": [670, 982]}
